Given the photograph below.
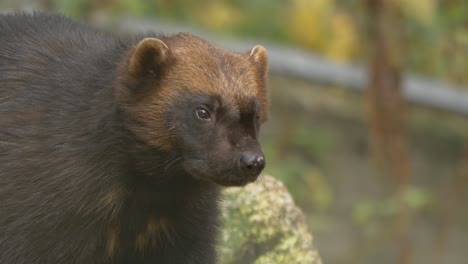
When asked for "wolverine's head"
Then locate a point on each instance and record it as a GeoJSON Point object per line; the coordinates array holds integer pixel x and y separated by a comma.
{"type": "Point", "coordinates": [202, 102]}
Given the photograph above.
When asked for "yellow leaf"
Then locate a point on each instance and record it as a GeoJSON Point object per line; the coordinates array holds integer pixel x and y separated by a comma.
{"type": "Point", "coordinates": [220, 16]}
{"type": "Point", "coordinates": [308, 20]}
{"type": "Point", "coordinates": [422, 10]}
{"type": "Point", "coordinates": [343, 41]}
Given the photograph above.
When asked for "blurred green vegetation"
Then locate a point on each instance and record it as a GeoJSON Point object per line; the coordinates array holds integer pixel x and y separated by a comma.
{"type": "Point", "coordinates": [436, 32]}
{"type": "Point", "coordinates": [321, 152]}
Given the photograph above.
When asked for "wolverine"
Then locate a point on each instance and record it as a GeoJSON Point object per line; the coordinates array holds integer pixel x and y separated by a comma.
{"type": "Point", "coordinates": [113, 149]}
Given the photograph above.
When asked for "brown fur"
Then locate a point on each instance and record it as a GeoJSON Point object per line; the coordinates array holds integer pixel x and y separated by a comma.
{"type": "Point", "coordinates": [112, 200]}
{"type": "Point", "coordinates": [112, 241]}
{"type": "Point", "coordinates": [155, 227]}
{"type": "Point", "coordinates": [242, 77]}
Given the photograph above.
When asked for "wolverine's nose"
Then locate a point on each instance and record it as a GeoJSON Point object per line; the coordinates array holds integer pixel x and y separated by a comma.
{"type": "Point", "coordinates": [252, 162]}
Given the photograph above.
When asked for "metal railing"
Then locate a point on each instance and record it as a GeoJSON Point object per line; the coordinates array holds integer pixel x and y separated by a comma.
{"type": "Point", "coordinates": [305, 65]}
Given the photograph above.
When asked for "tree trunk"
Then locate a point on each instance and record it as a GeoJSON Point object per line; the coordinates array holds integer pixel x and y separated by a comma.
{"type": "Point", "coordinates": [386, 107]}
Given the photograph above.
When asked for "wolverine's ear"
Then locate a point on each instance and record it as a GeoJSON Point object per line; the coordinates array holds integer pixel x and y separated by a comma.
{"type": "Point", "coordinates": [147, 55]}
{"type": "Point", "coordinates": [258, 55]}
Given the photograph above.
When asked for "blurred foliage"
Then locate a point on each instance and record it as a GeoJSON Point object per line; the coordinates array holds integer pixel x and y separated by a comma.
{"type": "Point", "coordinates": [329, 30]}
{"type": "Point", "coordinates": [436, 31]}
{"type": "Point", "coordinates": [300, 170]}
{"type": "Point", "coordinates": [369, 211]}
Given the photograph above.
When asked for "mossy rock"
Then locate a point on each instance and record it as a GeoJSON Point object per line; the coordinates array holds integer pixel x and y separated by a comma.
{"type": "Point", "coordinates": [262, 225]}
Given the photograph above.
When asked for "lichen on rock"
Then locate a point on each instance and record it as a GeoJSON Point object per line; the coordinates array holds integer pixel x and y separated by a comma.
{"type": "Point", "coordinates": [262, 225]}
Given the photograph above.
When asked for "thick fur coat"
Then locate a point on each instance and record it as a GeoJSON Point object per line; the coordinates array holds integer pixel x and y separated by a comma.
{"type": "Point", "coordinates": [112, 149]}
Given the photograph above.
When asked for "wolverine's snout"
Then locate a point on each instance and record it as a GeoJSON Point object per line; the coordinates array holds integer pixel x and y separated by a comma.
{"type": "Point", "coordinates": [252, 162]}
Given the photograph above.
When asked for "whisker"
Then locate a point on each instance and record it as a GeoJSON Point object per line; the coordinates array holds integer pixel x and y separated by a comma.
{"type": "Point", "coordinates": [171, 163]}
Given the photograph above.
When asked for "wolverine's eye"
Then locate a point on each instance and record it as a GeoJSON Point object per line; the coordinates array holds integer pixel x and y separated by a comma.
{"type": "Point", "coordinates": [202, 114]}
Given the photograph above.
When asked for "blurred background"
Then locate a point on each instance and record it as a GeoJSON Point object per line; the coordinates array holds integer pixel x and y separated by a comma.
{"type": "Point", "coordinates": [368, 124]}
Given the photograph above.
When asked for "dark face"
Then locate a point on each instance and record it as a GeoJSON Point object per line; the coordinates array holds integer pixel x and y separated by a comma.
{"type": "Point", "coordinates": [218, 140]}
